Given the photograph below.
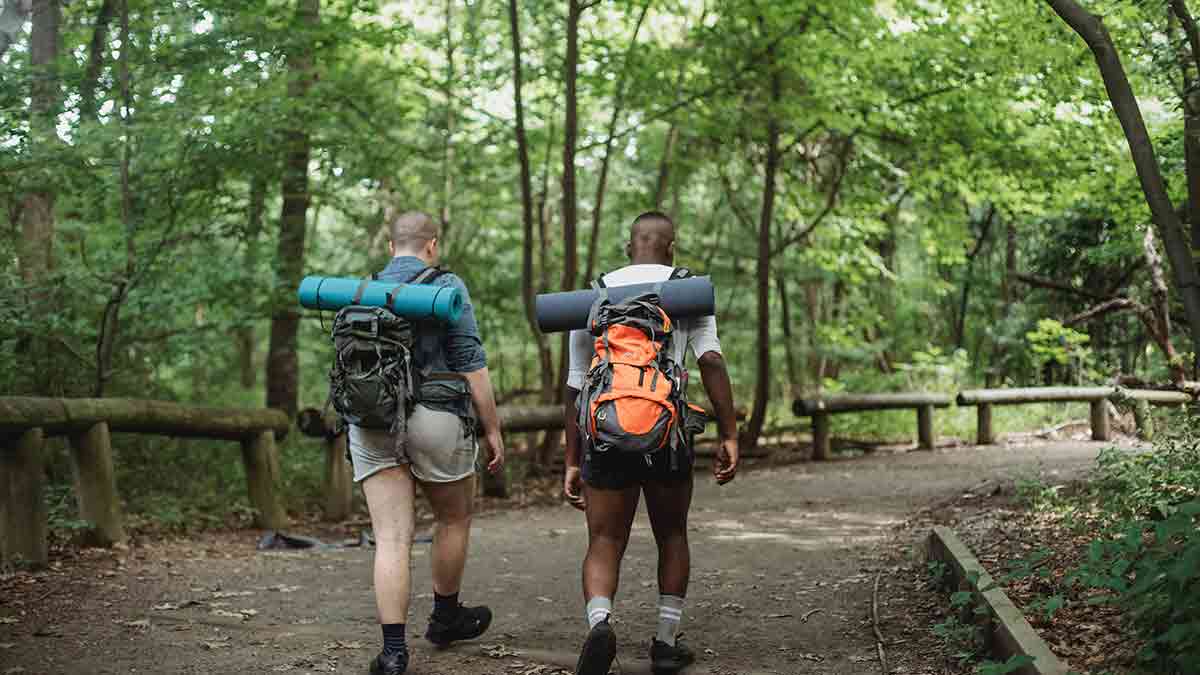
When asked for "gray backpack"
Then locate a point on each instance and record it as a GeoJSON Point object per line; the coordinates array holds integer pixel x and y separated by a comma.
{"type": "Point", "coordinates": [371, 381]}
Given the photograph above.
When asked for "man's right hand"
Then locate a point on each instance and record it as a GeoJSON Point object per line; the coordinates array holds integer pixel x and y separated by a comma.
{"type": "Point", "coordinates": [726, 465]}
{"type": "Point", "coordinates": [573, 487]}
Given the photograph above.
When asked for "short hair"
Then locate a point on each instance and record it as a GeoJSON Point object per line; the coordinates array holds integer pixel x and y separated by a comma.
{"type": "Point", "coordinates": [651, 216]}
{"type": "Point", "coordinates": [652, 232]}
{"type": "Point", "coordinates": [411, 230]}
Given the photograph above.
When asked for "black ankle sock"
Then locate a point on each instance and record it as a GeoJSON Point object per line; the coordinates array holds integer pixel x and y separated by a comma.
{"type": "Point", "coordinates": [445, 606]}
{"type": "Point", "coordinates": [393, 638]}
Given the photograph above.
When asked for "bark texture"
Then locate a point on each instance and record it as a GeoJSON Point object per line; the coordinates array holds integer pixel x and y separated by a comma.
{"type": "Point", "coordinates": [283, 364]}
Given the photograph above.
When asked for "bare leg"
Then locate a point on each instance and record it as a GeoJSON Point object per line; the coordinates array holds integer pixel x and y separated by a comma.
{"type": "Point", "coordinates": [609, 516]}
{"type": "Point", "coordinates": [390, 500]}
{"type": "Point", "coordinates": [452, 504]}
{"type": "Point", "coordinates": [667, 506]}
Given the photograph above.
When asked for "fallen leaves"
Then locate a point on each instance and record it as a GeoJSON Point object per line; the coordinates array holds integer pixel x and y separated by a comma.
{"type": "Point", "coordinates": [499, 651]}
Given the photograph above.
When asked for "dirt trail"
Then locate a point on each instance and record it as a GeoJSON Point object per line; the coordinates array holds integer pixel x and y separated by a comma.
{"type": "Point", "coordinates": [774, 547]}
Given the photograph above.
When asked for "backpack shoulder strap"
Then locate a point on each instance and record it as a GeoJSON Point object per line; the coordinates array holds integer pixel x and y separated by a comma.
{"type": "Point", "coordinates": [599, 283]}
{"type": "Point", "coordinates": [679, 273]}
{"type": "Point", "coordinates": [428, 274]}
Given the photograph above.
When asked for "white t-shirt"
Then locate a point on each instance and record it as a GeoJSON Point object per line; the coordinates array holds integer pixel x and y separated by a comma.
{"type": "Point", "coordinates": [699, 332]}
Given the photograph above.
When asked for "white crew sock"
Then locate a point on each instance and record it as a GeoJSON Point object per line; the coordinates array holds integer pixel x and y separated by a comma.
{"type": "Point", "coordinates": [670, 613]}
{"type": "Point", "coordinates": [598, 609]}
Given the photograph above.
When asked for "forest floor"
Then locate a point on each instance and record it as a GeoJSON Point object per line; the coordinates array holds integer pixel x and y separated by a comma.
{"type": "Point", "coordinates": [784, 566]}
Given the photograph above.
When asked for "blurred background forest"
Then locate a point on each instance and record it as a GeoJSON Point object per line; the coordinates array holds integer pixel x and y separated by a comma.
{"type": "Point", "coordinates": [888, 194]}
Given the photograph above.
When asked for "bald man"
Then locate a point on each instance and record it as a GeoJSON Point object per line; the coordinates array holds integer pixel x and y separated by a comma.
{"type": "Point", "coordinates": [440, 457]}
{"type": "Point", "coordinates": [607, 485]}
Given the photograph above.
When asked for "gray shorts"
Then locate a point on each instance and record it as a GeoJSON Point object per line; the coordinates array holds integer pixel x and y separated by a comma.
{"type": "Point", "coordinates": [440, 448]}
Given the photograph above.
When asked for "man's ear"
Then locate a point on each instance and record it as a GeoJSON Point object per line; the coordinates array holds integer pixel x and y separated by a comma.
{"type": "Point", "coordinates": [671, 250]}
{"type": "Point", "coordinates": [391, 248]}
{"type": "Point", "coordinates": [629, 249]}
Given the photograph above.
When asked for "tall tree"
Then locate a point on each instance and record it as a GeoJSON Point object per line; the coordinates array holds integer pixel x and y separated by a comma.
{"type": "Point", "coordinates": [1120, 93]}
{"type": "Point", "coordinates": [762, 381]}
{"type": "Point", "coordinates": [527, 206]}
{"type": "Point", "coordinates": [570, 201]}
{"type": "Point", "coordinates": [37, 207]}
{"type": "Point", "coordinates": [283, 366]}
{"type": "Point", "coordinates": [609, 140]}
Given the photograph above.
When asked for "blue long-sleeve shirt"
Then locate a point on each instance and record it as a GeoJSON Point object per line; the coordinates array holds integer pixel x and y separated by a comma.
{"type": "Point", "coordinates": [439, 347]}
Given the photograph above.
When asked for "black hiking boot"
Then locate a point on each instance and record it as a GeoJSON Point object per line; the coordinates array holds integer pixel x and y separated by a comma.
{"type": "Point", "coordinates": [599, 650]}
{"type": "Point", "coordinates": [665, 658]}
{"type": "Point", "coordinates": [468, 624]}
{"type": "Point", "coordinates": [395, 663]}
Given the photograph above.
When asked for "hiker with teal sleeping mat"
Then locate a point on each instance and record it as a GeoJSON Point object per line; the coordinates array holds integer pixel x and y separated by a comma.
{"type": "Point", "coordinates": [410, 393]}
{"type": "Point", "coordinates": [629, 432]}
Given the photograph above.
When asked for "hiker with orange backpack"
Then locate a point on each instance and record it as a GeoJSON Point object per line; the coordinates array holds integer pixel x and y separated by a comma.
{"type": "Point", "coordinates": [629, 431]}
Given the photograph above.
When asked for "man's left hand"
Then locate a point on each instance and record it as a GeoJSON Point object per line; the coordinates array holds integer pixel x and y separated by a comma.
{"type": "Point", "coordinates": [495, 446]}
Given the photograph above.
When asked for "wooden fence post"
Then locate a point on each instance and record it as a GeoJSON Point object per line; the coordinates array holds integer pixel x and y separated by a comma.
{"type": "Point", "coordinates": [925, 427]}
{"type": "Point", "coordinates": [984, 434]}
{"type": "Point", "coordinates": [96, 484]}
{"type": "Point", "coordinates": [339, 483]}
{"type": "Point", "coordinates": [1100, 421]}
{"type": "Point", "coordinates": [22, 502]}
{"type": "Point", "coordinates": [821, 443]}
{"type": "Point", "coordinates": [262, 479]}
{"type": "Point", "coordinates": [1143, 420]}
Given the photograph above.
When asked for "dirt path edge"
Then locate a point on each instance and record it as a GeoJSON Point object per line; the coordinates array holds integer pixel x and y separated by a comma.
{"type": "Point", "coordinates": [1009, 633]}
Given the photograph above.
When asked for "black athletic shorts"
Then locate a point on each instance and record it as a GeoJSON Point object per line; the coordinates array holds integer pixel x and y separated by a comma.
{"type": "Point", "coordinates": [614, 470]}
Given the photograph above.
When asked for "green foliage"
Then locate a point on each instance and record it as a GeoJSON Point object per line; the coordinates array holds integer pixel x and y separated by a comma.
{"type": "Point", "coordinates": [1012, 665]}
{"type": "Point", "coordinates": [1054, 342]}
{"type": "Point", "coordinates": [1146, 559]}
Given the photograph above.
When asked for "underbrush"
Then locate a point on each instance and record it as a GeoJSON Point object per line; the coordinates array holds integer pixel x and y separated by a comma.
{"type": "Point", "coordinates": [1139, 552]}
{"type": "Point", "coordinates": [183, 486]}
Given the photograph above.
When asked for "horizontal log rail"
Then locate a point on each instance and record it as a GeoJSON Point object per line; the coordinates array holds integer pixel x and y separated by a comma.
{"type": "Point", "coordinates": [26, 422]}
{"type": "Point", "coordinates": [64, 416]}
{"type": "Point", "coordinates": [819, 409]}
{"type": "Point", "coordinates": [841, 403]}
{"type": "Point", "coordinates": [1096, 397]}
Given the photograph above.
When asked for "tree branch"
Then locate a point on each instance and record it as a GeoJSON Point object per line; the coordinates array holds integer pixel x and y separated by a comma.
{"type": "Point", "coordinates": [1039, 282]}
{"type": "Point", "coordinates": [1108, 307]}
{"type": "Point", "coordinates": [1179, 7]}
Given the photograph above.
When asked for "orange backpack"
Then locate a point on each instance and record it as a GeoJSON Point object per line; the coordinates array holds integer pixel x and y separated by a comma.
{"type": "Point", "coordinates": [634, 395]}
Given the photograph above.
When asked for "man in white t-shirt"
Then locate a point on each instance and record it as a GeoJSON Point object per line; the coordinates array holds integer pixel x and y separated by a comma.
{"type": "Point", "coordinates": [607, 485]}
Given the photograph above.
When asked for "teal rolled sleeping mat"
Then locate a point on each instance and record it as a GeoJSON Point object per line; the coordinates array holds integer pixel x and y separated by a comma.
{"type": "Point", "coordinates": [411, 301]}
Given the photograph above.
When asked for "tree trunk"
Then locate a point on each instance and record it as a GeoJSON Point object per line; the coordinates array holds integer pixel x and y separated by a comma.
{"type": "Point", "coordinates": [110, 321]}
{"type": "Point", "coordinates": [664, 167]}
{"type": "Point", "coordinates": [570, 203]}
{"type": "Point", "coordinates": [785, 321]}
{"type": "Point", "coordinates": [36, 250]}
{"type": "Point", "coordinates": [96, 50]}
{"type": "Point", "coordinates": [762, 386]}
{"type": "Point", "coordinates": [283, 367]}
{"type": "Point", "coordinates": [245, 334]}
{"type": "Point", "coordinates": [527, 210]}
{"type": "Point", "coordinates": [1125, 105]}
{"type": "Point", "coordinates": [448, 139]}
{"type": "Point", "coordinates": [602, 181]}
{"type": "Point", "coordinates": [1160, 310]}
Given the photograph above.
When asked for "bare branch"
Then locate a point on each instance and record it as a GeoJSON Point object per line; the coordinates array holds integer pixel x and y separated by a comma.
{"type": "Point", "coordinates": [1050, 284]}
{"type": "Point", "coordinates": [1179, 7]}
{"type": "Point", "coordinates": [1108, 307]}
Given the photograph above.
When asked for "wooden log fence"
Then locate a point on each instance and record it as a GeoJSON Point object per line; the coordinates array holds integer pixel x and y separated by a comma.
{"type": "Point", "coordinates": [819, 409]}
{"type": "Point", "coordinates": [1096, 397]}
{"type": "Point", "coordinates": [88, 423]}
